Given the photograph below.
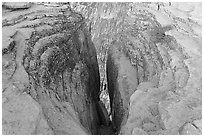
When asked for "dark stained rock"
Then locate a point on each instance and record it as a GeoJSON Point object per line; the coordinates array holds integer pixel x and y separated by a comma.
{"type": "Point", "coordinates": [64, 69]}
{"type": "Point", "coordinates": [59, 67]}
{"type": "Point", "coordinates": [103, 114]}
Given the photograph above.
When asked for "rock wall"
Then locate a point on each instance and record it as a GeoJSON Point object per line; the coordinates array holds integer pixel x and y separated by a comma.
{"type": "Point", "coordinates": [49, 56]}
{"type": "Point", "coordinates": [158, 86]}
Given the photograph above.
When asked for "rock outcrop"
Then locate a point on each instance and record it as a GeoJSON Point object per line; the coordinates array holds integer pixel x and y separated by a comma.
{"type": "Point", "coordinates": [147, 68]}
{"type": "Point", "coordinates": [153, 53]}
{"type": "Point", "coordinates": [65, 64]}
{"type": "Point", "coordinates": [49, 56]}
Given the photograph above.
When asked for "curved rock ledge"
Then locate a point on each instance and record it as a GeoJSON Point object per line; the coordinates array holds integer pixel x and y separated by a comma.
{"type": "Point", "coordinates": [52, 49]}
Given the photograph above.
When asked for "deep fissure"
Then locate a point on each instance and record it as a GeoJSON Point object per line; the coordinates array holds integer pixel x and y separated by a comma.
{"type": "Point", "coordinates": [111, 74]}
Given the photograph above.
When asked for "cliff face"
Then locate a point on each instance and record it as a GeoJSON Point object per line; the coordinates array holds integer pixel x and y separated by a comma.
{"type": "Point", "coordinates": [148, 55]}
{"type": "Point", "coordinates": [48, 50]}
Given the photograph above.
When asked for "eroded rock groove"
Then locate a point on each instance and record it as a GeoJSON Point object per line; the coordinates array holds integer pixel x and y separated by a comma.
{"type": "Point", "coordinates": [101, 68]}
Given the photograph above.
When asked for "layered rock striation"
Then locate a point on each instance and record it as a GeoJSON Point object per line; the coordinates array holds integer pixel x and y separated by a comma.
{"type": "Point", "coordinates": [52, 49]}
{"type": "Point", "coordinates": [101, 68]}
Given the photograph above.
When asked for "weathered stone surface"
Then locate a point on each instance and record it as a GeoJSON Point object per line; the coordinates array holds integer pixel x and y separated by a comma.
{"type": "Point", "coordinates": [149, 57]}
{"type": "Point", "coordinates": [56, 65]}
{"type": "Point", "coordinates": [189, 129]}
{"type": "Point", "coordinates": [16, 5]}
{"type": "Point", "coordinates": [122, 82]}
{"type": "Point", "coordinates": [144, 86]}
{"type": "Point", "coordinates": [168, 90]}
{"type": "Point", "coordinates": [176, 114]}
{"type": "Point", "coordinates": [20, 112]}
{"type": "Point", "coordinates": [198, 124]}
{"type": "Point", "coordinates": [138, 131]}
{"type": "Point", "coordinates": [42, 127]}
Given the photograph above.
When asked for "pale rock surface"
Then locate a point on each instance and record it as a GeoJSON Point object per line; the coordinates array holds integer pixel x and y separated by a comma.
{"type": "Point", "coordinates": [183, 105]}
{"type": "Point", "coordinates": [189, 129]}
{"type": "Point", "coordinates": [20, 112]}
{"type": "Point", "coordinates": [17, 5]}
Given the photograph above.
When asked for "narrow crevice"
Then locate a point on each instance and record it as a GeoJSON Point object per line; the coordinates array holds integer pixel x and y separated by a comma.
{"type": "Point", "coordinates": [112, 74]}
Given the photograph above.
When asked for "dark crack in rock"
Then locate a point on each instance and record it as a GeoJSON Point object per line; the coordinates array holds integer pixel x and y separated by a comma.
{"type": "Point", "coordinates": [102, 68]}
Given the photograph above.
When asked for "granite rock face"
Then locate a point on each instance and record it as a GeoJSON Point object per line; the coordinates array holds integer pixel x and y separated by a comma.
{"type": "Point", "coordinates": [49, 57]}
